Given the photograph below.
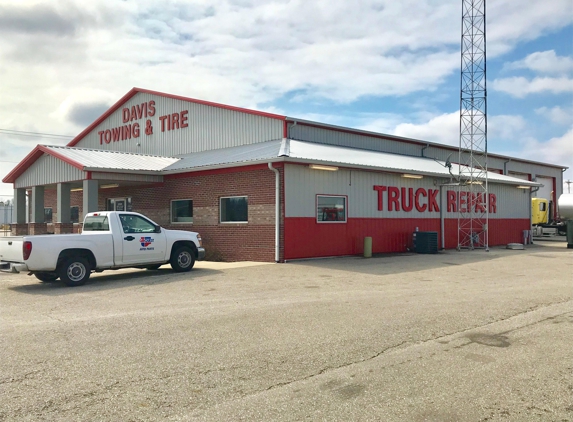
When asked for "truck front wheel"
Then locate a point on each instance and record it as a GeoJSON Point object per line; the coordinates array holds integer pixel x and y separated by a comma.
{"type": "Point", "coordinates": [75, 271]}
{"type": "Point", "coordinates": [182, 259]}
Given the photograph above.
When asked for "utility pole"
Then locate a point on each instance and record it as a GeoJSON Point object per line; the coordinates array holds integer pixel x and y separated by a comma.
{"type": "Point", "coordinates": [568, 185]}
{"type": "Point", "coordinates": [473, 197]}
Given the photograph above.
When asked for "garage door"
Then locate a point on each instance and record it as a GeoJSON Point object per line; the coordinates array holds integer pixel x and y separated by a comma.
{"type": "Point", "coordinates": [545, 190]}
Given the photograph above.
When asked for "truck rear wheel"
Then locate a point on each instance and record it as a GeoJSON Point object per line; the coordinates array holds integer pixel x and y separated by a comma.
{"type": "Point", "coordinates": [75, 271]}
{"type": "Point", "coordinates": [182, 259]}
{"type": "Point", "coordinates": [46, 277]}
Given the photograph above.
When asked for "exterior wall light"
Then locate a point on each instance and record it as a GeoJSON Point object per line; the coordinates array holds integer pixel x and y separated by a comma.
{"type": "Point", "coordinates": [112, 185]}
{"type": "Point", "coordinates": [523, 187]}
{"type": "Point", "coordinates": [474, 182]}
{"type": "Point", "coordinates": [413, 176]}
{"type": "Point", "coordinates": [319, 167]}
{"type": "Point", "coordinates": [76, 189]}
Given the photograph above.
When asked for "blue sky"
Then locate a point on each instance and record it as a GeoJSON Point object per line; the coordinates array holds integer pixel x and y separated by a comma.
{"type": "Point", "coordinates": [379, 65]}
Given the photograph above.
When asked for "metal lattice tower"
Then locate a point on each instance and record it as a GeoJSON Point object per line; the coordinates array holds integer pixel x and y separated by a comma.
{"type": "Point", "coordinates": [473, 198]}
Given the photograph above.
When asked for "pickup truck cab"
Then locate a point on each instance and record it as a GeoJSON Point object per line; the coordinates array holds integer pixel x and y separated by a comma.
{"type": "Point", "coordinates": [109, 240]}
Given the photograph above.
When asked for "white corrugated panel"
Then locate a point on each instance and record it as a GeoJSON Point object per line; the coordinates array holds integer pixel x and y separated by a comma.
{"type": "Point", "coordinates": [48, 170]}
{"type": "Point", "coordinates": [111, 160]}
{"type": "Point", "coordinates": [208, 128]}
{"type": "Point", "coordinates": [245, 154]}
{"type": "Point", "coordinates": [339, 138]}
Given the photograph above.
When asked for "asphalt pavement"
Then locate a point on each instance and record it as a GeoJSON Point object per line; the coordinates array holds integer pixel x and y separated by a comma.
{"type": "Point", "coordinates": [457, 336]}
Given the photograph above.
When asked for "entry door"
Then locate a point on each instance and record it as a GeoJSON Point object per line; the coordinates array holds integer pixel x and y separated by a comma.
{"type": "Point", "coordinates": [119, 204]}
{"type": "Point", "coordinates": [140, 242]}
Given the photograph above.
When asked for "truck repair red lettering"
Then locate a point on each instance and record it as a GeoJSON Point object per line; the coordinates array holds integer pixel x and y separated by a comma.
{"type": "Point", "coordinates": [480, 202]}
{"type": "Point", "coordinates": [421, 207]}
{"type": "Point", "coordinates": [463, 201]}
{"type": "Point", "coordinates": [393, 198]}
{"type": "Point", "coordinates": [380, 190]}
{"type": "Point", "coordinates": [432, 200]}
{"type": "Point", "coordinates": [410, 203]}
{"type": "Point", "coordinates": [452, 202]}
{"type": "Point", "coordinates": [492, 203]}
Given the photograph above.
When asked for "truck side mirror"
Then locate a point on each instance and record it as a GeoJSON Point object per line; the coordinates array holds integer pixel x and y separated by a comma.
{"type": "Point", "coordinates": [157, 229]}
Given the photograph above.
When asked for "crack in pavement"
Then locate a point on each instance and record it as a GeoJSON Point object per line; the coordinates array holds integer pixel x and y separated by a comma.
{"type": "Point", "coordinates": [425, 341]}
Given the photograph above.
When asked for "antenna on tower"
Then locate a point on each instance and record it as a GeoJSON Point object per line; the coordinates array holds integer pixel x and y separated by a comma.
{"type": "Point", "coordinates": [473, 198]}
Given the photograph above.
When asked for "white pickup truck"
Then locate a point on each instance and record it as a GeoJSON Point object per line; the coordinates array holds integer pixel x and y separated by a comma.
{"type": "Point", "coordinates": [109, 240]}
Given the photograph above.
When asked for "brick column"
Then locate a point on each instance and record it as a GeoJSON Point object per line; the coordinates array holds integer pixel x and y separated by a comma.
{"type": "Point", "coordinates": [38, 228]}
{"type": "Point", "coordinates": [63, 228]}
{"type": "Point", "coordinates": [19, 229]}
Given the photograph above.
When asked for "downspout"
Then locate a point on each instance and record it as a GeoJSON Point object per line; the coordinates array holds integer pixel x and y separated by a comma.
{"type": "Point", "coordinates": [531, 192]}
{"type": "Point", "coordinates": [277, 212]}
{"type": "Point", "coordinates": [505, 167]}
{"type": "Point", "coordinates": [442, 217]}
{"type": "Point", "coordinates": [423, 149]}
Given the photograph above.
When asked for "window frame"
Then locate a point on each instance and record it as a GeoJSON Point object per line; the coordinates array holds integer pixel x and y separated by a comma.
{"type": "Point", "coordinates": [345, 197]}
{"type": "Point", "coordinates": [71, 218]}
{"type": "Point", "coordinates": [171, 211]}
{"type": "Point", "coordinates": [221, 209]}
{"type": "Point", "coordinates": [50, 213]}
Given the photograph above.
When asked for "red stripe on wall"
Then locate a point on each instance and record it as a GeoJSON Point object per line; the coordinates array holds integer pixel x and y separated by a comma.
{"type": "Point", "coordinates": [305, 238]}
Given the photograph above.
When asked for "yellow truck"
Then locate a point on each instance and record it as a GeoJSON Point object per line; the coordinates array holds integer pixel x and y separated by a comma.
{"type": "Point", "coordinates": [542, 222]}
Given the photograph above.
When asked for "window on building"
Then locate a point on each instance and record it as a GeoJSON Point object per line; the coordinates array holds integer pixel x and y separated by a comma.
{"type": "Point", "coordinates": [182, 211]}
{"type": "Point", "coordinates": [330, 208]}
{"type": "Point", "coordinates": [234, 209]}
{"type": "Point", "coordinates": [47, 215]}
{"type": "Point", "coordinates": [75, 214]}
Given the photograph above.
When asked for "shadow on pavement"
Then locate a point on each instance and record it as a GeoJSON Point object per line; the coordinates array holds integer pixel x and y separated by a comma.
{"type": "Point", "coordinates": [383, 264]}
{"type": "Point", "coordinates": [114, 279]}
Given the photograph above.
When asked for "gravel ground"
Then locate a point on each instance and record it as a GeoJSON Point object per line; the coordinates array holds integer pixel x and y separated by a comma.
{"type": "Point", "coordinates": [457, 336]}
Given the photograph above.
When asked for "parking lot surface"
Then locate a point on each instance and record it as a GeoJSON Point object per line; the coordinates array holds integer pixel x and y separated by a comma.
{"type": "Point", "coordinates": [457, 336]}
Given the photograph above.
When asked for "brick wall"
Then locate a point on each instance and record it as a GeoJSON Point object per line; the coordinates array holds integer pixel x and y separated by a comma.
{"type": "Point", "coordinates": [254, 241]}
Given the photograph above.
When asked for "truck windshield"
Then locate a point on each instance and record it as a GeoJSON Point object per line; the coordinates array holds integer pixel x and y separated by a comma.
{"type": "Point", "coordinates": [96, 223]}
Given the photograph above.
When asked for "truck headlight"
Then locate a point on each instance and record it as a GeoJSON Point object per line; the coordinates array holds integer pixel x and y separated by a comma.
{"type": "Point", "coordinates": [199, 240]}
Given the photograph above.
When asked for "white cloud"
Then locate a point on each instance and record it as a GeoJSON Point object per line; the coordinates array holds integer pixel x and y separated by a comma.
{"type": "Point", "coordinates": [557, 150]}
{"type": "Point", "coordinates": [520, 87]}
{"type": "Point", "coordinates": [511, 22]}
{"type": "Point", "coordinates": [444, 129]}
{"type": "Point", "coordinates": [544, 62]}
{"type": "Point", "coordinates": [558, 115]}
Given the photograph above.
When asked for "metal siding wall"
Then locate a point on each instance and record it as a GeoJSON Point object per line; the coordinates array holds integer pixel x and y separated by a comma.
{"type": "Point", "coordinates": [209, 128]}
{"type": "Point", "coordinates": [302, 132]}
{"type": "Point", "coordinates": [47, 170]}
{"type": "Point", "coordinates": [302, 184]}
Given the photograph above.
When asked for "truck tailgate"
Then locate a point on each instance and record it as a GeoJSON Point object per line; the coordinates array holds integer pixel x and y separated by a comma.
{"type": "Point", "coordinates": [10, 251]}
